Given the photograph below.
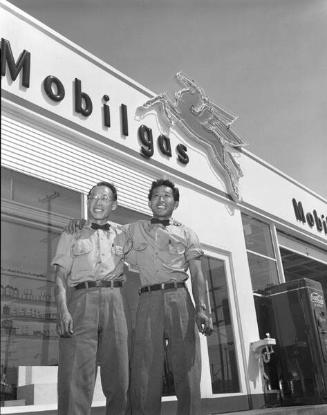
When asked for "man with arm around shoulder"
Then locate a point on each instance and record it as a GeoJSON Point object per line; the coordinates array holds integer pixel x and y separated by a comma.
{"type": "Point", "coordinates": [163, 250]}
{"type": "Point", "coordinates": [91, 316]}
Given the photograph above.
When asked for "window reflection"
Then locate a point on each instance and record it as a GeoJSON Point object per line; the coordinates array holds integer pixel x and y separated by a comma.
{"type": "Point", "coordinates": [261, 256]}
{"type": "Point", "coordinates": [221, 344]}
{"type": "Point", "coordinates": [298, 266]}
{"type": "Point", "coordinates": [263, 272]}
{"type": "Point", "coordinates": [257, 236]}
{"type": "Point", "coordinates": [41, 195]}
{"type": "Point", "coordinates": [33, 213]}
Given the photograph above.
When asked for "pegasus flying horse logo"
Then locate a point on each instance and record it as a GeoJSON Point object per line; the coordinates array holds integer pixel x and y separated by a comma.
{"type": "Point", "coordinates": [208, 125]}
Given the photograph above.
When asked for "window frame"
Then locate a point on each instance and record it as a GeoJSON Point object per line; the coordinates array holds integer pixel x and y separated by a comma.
{"type": "Point", "coordinates": [240, 352]}
{"type": "Point", "coordinates": [275, 245]}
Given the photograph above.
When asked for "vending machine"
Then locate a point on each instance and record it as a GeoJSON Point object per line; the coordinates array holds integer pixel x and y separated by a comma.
{"type": "Point", "coordinates": [298, 322]}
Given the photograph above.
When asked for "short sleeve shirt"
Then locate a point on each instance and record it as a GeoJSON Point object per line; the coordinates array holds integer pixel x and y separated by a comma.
{"type": "Point", "coordinates": [90, 255]}
{"type": "Point", "coordinates": [161, 253]}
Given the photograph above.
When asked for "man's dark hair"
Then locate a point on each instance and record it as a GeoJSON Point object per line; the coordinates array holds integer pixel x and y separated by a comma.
{"type": "Point", "coordinates": [107, 184]}
{"type": "Point", "coordinates": [163, 182]}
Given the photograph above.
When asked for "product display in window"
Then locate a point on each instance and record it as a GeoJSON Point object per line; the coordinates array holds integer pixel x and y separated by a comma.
{"type": "Point", "coordinates": [33, 213]}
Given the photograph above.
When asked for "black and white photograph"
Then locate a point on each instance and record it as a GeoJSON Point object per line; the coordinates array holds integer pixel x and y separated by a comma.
{"type": "Point", "coordinates": [163, 207]}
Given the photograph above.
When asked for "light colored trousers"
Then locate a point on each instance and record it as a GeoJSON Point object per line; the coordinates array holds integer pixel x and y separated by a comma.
{"type": "Point", "coordinates": [100, 338]}
{"type": "Point", "coordinates": [161, 315]}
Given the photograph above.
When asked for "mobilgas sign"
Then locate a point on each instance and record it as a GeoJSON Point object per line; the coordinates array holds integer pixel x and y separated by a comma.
{"type": "Point", "coordinates": [313, 219]}
{"type": "Point", "coordinates": [55, 90]}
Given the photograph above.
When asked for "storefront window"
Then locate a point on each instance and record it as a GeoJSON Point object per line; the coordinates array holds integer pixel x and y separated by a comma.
{"type": "Point", "coordinates": [301, 259]}
{"type": "Point", "coordinates": [260, 251]}
{"type": "Point", "coordinates": [33, 213]}
{"type": "Point", "coordinates": [298, 266]}
{"type": "Point", "coordinates": [221, 344]}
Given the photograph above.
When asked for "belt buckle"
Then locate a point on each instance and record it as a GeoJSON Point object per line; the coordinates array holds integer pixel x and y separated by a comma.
{"type": "Point", "coordinates": [98, 283]}
{"type": "Point", "coordinates": [162, 286]}
{"type": "Point", "coordinates": [175, 284]}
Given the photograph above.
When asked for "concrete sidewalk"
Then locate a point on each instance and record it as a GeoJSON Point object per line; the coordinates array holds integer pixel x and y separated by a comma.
{"type": "Point", "coordinates": [290, 410]}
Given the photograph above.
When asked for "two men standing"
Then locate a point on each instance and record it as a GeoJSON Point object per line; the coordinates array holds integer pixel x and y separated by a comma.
{"type": "Point", "coordinates": [163, 250]}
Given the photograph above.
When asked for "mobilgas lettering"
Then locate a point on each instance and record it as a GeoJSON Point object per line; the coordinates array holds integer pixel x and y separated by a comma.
{"type": "Point", "coordinates": [298, 209]}
{"type": "Point", "coordinates": [146, 138]}
{"type": "Point", "coordinates": [147, 145]}
{"type": "Point", "coordinates": [312, 219]}
{"type": "Point", "coordinates": [164, 145]}
{"type": "Point", "coordinates": [83, 105]}
{"type": "Point", "coordinates": [106, 111]}
{"type": "Point", "coordinates": [23, 63]}
{"type": "Point", "coordinates": [124, 119]}
{"type": "Point", "coordinates": [182, 155]}
{"type": "Point", "coordinates": [59, 93]}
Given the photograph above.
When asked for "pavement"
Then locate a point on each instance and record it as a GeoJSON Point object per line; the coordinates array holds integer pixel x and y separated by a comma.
{"type": "Point", "coordinates": [290, 410]}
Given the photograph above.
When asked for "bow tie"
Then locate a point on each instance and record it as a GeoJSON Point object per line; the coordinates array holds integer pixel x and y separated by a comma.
{"type": "Point", "coordinates": [104, 227]}
{"type": "Point", "coordinates": [164, 222]}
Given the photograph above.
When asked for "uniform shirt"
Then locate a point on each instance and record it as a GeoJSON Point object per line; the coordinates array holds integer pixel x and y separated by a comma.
{"type": "Point", "coordinates": [161, 253]}
{"type": "Point", "coordinates": [90, 255]}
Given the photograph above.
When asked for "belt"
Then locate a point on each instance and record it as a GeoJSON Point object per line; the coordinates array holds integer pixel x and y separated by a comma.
{"type": "Point", "coordinates": [99, 283]}
{"type": "Point", "coordinates": [163, 286]}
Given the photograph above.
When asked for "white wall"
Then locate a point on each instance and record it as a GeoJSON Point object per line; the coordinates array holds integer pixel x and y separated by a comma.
{"type": "Point", "coordinates": [268, 190]}
{"type": "Point", "coordinates": [219, 228]}
{"type": "Point", "coordinates": [52, 54]}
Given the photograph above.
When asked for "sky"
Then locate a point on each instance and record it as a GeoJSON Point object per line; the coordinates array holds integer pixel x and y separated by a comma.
{"type": "Point", "coordinates": [262, 60]}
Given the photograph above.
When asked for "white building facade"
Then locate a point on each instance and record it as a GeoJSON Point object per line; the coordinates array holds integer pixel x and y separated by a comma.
{"type": "Point", "coordinates": [69, 120]}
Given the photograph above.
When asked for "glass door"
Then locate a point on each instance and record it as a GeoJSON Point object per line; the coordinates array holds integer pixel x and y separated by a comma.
{"type": "Point", "coordinates": [222, 348]}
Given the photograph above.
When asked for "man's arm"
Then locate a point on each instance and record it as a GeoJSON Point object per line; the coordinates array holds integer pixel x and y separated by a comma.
{"type": "Point", "coordinates": [127, 243]}
{"type": "Point", "coordinates": [74, 225]}
{"type": "Point", "coordinates": [65, 321]}
{"type": "Point", "coordinates": [203, 322]}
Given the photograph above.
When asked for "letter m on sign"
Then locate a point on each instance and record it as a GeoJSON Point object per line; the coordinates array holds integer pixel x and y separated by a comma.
{"type": "Point", "coordinates": [23, 63]}
{"type": "Point", "coordinates": [298, 210]}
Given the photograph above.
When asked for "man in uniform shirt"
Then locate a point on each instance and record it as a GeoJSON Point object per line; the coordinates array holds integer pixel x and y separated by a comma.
{"type": "Point", "coordinates": [91, 317]}
{"type": "Point", "coordinates": [163, 250]}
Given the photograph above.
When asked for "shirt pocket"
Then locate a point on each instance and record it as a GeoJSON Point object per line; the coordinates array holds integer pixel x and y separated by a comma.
{"type": "Point", "coordinates": [136, 255]}
{"type": "Point", "coordinates": [82, 247]}
{"type": "Point", "coordinates": [117, 249]}
{"type": "Point", "coordinates": [140, 246]}
{"type": "Point", "coordinates": [176, 247]}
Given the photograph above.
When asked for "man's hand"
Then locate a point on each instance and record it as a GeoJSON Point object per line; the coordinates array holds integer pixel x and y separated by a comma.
{"type": "Point", "coordinates": [204, 323]}
{"type": "Point", "coordinates": [74, 225]}
{"type": "Point", "coordinates": [65, 325]}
